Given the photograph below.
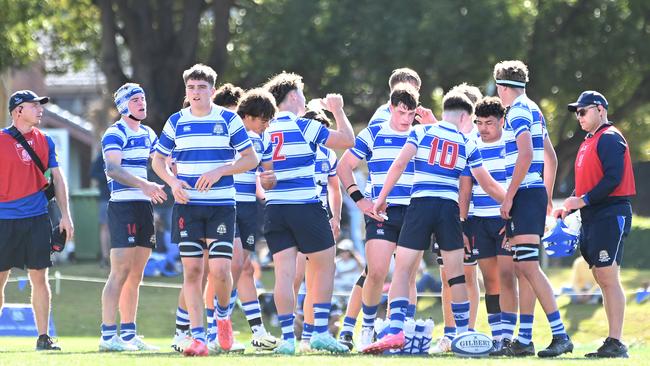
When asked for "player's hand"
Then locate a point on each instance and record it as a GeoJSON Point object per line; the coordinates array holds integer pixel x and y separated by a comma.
{"type": "Point", "coordinates": [425, 116]}
{"type": "Point", "coordinates": [155, 192]}
{"type": "Point", "coordinates": [549, 208]}
{"type": "Point", "coordinates": [506, 206]}
{"type": "Point", "coordinates": [206, 180]}
{"type": "Point", "coordinates": [268, 179]}
{"type": "Point", "coordinates": [560, 213]}
{"type": "Point", "coordinates": [333, 102]}
{"type": "Point", "coordinates": [379, 210]}
{"type": "Point", "coordinates": [366, 206]}
{"type": "Point", "coordinates": [178, 190]}
{"type": "Point", "coordinates": [335, 224]}
{"type": "Point", "coordinates": [66, 224]}
{"type": "Point", "coordinates": [573, 203]}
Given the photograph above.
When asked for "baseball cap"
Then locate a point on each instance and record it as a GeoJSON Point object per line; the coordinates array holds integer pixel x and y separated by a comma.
{"type": "Point", "coordinates": [57, 243]}
{"type": "Point", "coordinates": [23, 96]}
{"type": "Point", "coordinates": [589, 97]}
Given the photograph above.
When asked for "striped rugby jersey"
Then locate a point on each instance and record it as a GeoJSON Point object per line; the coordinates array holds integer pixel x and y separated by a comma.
{"type": "Point", "coordinates": [524, 115]}
{"type": "Point", "coordinates": [381, 115]}
{"type": "Point", "coordinates": [442, 154]}
{"type": "Point", "coordinates": [325, 167]}
{"type": "Point", "coordinates": [380, 145]}
{"type": "Point", "coordinates": [245, 183]}
{"type": "Point", "coordinates": [294, 141]}
{"type": "Point", "coordinates": [493, 154]}
{"type": "Point", "coordinates": [136, 147]}
{"type": "Point", "coordinates": [202, 144]}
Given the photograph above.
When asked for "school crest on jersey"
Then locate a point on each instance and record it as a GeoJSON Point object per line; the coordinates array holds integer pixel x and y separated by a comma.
{"type": "Point", "coordinates": [22, 153]}
{"type": "Point", "coordinates": [218, 129]}
{"type": "Point", "coordinates": [325, 167]}
{"type": "Point", "coordinates": [257, 145]}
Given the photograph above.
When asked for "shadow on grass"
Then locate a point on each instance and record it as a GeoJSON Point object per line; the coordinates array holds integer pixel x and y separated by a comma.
{"type": "Point", "coordinates": [577, 313]}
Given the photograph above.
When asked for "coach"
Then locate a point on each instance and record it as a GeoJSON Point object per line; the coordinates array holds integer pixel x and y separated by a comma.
{"type": "Point", "coordinates": [25, 229]}
{"type": "Point", "coordinates": [604, 183]}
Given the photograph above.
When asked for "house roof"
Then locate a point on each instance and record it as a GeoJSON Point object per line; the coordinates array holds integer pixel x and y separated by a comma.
{"type": "Point", "coordinates": [79, 128]}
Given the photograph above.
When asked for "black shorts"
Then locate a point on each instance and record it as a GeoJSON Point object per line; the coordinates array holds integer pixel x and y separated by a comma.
{"type": "Point", "coordinates": [192, 224]}
{"type": "Point", "coordinates": [528, 213]}
{"type": "Point", "coordinates": [602, 236]}
{"type": "Point", "coordinates": [305, 227]}
{"type": "Point", "coordinates": [25, 243]}
{"type": "Point", "coordinates": [389, 229]}
{"type": "Point", "coordinates": [246, 224]}
{"type": "Point", "coordinates": [431, 215]}
{"type": "Point", "coordinates": [486, 238]}
{"type": "Point", "coordinates": [131, 224]}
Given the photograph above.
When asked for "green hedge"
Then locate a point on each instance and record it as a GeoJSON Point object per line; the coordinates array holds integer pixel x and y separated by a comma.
{"type": "Point", "coordinates": [636, 252]}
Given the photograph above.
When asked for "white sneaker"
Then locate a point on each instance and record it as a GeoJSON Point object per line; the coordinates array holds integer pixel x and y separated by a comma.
{"type": "Point", "coordinates": [214, 348]}
{"type": "Point", "coordinates": [115, 344]}
{"type": "Point", "coordinates": [237, 347]}
{"type": "Point", "coordinates": [304, 346]}
{"type": "Point", "coordinates": [367, 335]}
{"type": "Point", "coordinates": [443, 345]}
{"type": "Point", "coordinates": [141, 345]}
{"type": "Point", "coordinates": [181, 341]}
{"type": "Point", "coordinates": [264, 342]}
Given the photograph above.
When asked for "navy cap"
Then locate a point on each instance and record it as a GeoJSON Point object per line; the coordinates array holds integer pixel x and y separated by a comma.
{"type": "Point", "coordinates": [23, 96]}
{"type": "Point", "coordinates": [589, 97]}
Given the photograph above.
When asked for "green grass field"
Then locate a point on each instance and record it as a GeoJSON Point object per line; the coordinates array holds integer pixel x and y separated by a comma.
{"type": "Point", "coordinates": [76, 312]}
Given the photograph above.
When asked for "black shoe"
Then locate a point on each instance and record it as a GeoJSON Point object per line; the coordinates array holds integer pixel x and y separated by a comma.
{"type": "Point", "coordinates": [46, 343]}
{"type": "Point", "coordinates": [518, 349]}
{"type": "Point", "coordinates": [505, 343]}
{"type": "Point", "coordinates": [558, 346]}
{"type": "Point", "coordinates": [346, 340]}
{"type": "Point", "coordinates": [611, 348]}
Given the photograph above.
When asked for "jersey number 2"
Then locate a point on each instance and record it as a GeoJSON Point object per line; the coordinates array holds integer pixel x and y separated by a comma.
{"type": "Point", "coordinates": [449, 153]}
{"type": "Point", "coordinates": [277, 138]}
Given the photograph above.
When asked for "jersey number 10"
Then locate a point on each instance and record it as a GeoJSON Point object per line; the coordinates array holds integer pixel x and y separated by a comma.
{"type": "Point", "coordinates": [449, 153]}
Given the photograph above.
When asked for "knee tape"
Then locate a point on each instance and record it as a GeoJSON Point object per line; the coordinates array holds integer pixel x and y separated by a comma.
{"type": "Point", "coordinates": [526, 253]}
{"type": "Point", "coordinates": [190, 249]}
{"type": "Point", "coordinates": [220, 249]}
{"type": "Point", "coordinates": [456, 280]}
{"type": "Point", "coordinates": [361, 280]}
{"type": "Point", "coordinates": [492, 304]}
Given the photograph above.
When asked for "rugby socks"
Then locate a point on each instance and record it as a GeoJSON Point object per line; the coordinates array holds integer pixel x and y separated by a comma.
{"type": "Point", "coordinates": [494, 320]}
{"type": "Point", "coordinates": [212, 325]}
{"type": "Point", "coordinates": [253, 313]}
{"type": "Point", "coordinates": [286, 323]}
{"type": "Point", "coordinates": [397, 314]}
{"type": "Point", "coordinates": [221, 312]}
{"type": "Point", "coordinates": [410, 311]}
{"type": "Point", "coordinates": [508, 322]}
{"type": "Point", "coordinates": [182, 320]}
{"type": "Point", "coordinates": [307, 330]}
{"type": "Point", "coordinates": [198, 333]}
{"type": "Point", "coordinates": [348, 326]}
{"type": "Point", "coordinates": [557, 327]}
{"type": "Point", "coordinates": [233, 301]}
{"type": "Point", "coordinates": [321, 317]}
{"type": "Point", "coordinates": [108, 331]}
{"type": "Point", "coordinates": [525, 335]}
{"type": "Point", "coordinates": [461, 316]}
{"type": "Point", "coordinates": [127, 331]}
{"type": "Point", "coordinates": [369, 315]}
{"type": "Point", "coordinates": [450, 333]}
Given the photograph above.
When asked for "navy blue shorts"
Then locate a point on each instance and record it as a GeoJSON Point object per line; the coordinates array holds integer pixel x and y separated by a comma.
{"type": "Point", "coordinates": [431, 215]}
{"type": "Point", "coordinates": [192, 224]}
{"type": "Point", "coordinates": [388, 230]}
{"type": "Point", "coordinates": [246, 224]}
{"type": "Point", "coordinates": [131, 224]}
{"type": "Point", "coordinates": [528, 213]}
{"type": "Point", "coordinates": [25, 243]}
{"type": "Point", "coordinates": [486, 238]}
{"type": "Point", "coordinates": [602, 236]}
{"type": "Point", "coordinates": [305, 227]}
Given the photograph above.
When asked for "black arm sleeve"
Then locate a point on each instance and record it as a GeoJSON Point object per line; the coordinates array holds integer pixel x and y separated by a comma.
{"type": "Point", "coordinates": [611, 151]}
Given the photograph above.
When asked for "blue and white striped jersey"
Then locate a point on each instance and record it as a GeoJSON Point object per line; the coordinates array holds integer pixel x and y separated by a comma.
{"type": "Point", "coordinates": [202, 144]}
{"type": "Point", "coordinates": [380, 145]}
{"type": "Point", "coordinates": [381, 115]}
{"type": "Point", "coordinates": [325, 167]}
{"type": "Point", "coordinates": [245, 183]}
{"type": "Point", "coordinates": [493, 154]}
{"type": "Point", "coordinates": [442, 154]}
{"type": "Point", "coordinates": [524, 115]}
{"type": "Point", "coordinates": [136, 147]}
{"type": "Point", "coordinates": [295, 142]}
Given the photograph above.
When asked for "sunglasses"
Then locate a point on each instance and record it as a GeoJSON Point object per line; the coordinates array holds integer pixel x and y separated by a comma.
{"type": "Point", "coordinates": [582, 112]}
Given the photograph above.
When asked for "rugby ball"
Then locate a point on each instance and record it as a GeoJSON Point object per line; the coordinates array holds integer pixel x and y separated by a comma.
{"type": "Point", "coordinates": [471, 344]}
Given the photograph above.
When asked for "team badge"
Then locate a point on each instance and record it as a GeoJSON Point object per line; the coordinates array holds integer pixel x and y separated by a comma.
{"type": "Point", "coordinates": [187, 129]}
{"type": "Point", "coordinates": [380, 231]}
{"type": "Point", "coordinates": [388, 140]}
{"type": "Point", "coordinates": [152, 239]}
{"type": "Point", "coordinates": [222, 229]}
{"type": "Point", "coordinates": [250, 240]}
{"type": "Point", "coordinates": [324, 166]}
{"type": "Point", "coordinates": [218, 129]}
{"type": "Point", "coordinates": [184, 234]}
{"type": "Point", "coordinates": [258, 146]}
{"type": "Point", "coordinates": [131, 239]}
{"type": "Point", "coordinates": [603, 256]}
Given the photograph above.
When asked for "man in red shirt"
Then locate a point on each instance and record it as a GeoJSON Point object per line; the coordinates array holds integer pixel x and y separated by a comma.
{"type": "Point", "coordinates": [25, 229]}
{"type": "Point", "coordinates": [604, 183]}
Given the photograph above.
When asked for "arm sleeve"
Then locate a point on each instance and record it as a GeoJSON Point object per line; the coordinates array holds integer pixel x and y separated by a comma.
{"type": "Point", "coordinates": [363, 145]}
{"type": "Point", "coordinates": [51, 158]}
{"type": "Point", "coordinates": [611, 151]}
